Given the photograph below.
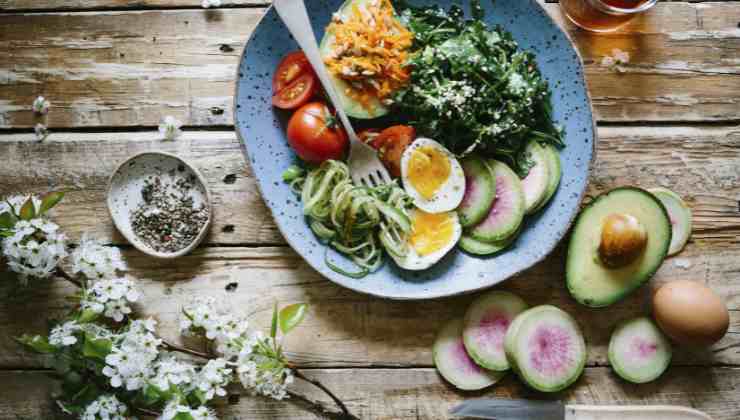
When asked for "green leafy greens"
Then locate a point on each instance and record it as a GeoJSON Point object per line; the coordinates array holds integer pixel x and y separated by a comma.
{"type": "Point", "coordinates": [472, 88]}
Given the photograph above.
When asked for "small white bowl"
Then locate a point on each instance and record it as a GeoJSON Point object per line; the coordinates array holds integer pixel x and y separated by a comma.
{"type": "Point", "coordinates": [124, 195]}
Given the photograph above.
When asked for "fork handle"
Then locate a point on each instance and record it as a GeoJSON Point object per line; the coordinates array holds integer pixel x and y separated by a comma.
{"type": "Point", "coordinates": [294, 15]}
{"type": "Point", "coordinates": [626, 412]}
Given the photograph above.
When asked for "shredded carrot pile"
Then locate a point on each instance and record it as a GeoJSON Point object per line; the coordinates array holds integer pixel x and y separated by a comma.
{"type": "Point", "coordinates": [370, 51]}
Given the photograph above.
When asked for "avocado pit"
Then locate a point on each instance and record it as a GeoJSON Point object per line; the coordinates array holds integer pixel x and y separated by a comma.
{"type": "Point", "coordinates": [623, 240]}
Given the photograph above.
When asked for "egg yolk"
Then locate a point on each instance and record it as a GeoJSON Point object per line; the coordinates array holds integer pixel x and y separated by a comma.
{"type": "Point", "coordinates": [428, 169]}
{"type": "Point", "coordinates": [431, 231]}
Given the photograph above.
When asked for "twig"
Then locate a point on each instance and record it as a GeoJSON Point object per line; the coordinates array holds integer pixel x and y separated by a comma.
{"type": "Point", "coordinates": [63, 274]}
{"type": "Point", "coordinates": [317, 384]}
{"type": "Point", "coordinates": [319, 408]}
{"type": "Point", "coordinates": [174, 347]}
{"type": "Point", "coordinates": [146, 411]}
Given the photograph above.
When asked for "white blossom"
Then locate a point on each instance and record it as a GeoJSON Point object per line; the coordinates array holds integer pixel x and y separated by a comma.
{"type": "Point", "coordinates": [17, 201]}
{"type": "Point", "coordinates": [170, 128]}
{"type": "Point", "coordinates": [172, 371]}
{"type": "Point", "coordinates": [173, 408]}
{"type": "Point", "coordinates": [211, 3]}
{"type": "Point", "coordinates": [41, 131]}
{"type": "Point", "coordinates": [616, 60]}
{"type": "Point", "coordinates": [212, 378]}
{"type": "Point", "coordinates": [203, 315]}
{"type": "Point", "coordinates": [111, 297]}
{"type": "Point", "coordinates": [106, 407]}
{"type": "Point", "coordinates": [261, 374]}
{"type": "Point", "coordinates": [64, 334]}
{"type": "Point", "coordinates": [41, 105]}
{"type": "Point", "coordinates": [95, 260]}
{"type": "Point", "coordinates": [34, 249]}
{"type": "Point", "coordinates": [130, 363]}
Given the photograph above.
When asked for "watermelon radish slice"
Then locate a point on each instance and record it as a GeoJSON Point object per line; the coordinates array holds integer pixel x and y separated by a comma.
{"type": "Point", "coordinates": [453, 362]}
{"type": "Point", "coordinates": [638, 351]}
{"type": "Point", "coordinates": [486, 322]}
{"type": "Point", "coordinates": [680, 216]}
{"type": "Point", "coordinates": [536, 182]}
{"type": "Point", "coordinates": [556, 172]}
{"type": "Point", "coordinates": [480, 190]}
{"type": "Point", "coordinates": [507, 211]}
{"type": "Point", "coordinates": [473, 246]}
{"type": "Point", "coordinates": [546, 348]}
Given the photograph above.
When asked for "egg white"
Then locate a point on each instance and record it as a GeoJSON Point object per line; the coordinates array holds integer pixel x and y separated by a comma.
{"type": "Point", "coordinates": [449, 195]}
{"type": "Point", "coordinates": [413, 261]}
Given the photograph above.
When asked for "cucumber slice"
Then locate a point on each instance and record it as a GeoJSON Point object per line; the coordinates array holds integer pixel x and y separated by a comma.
{"type": "Point", "coordinates": [507, 211]}
{"type": "Point", "coordinates": [548, 349]}
{"type": "Point", "coordinates": [353, 108]}
{"type": "Point", "coordinates": [473, 246]}
{"type": "Point", "coordinates": [480, 191]}
{"type": "Point", "coordinates": [486, 322]}
{"type": "Point", "coordinates": [680, 215]}
{"type": "Point", "coordinates": [638, 351]}
{"type": "Point", "coordinates": [536, 182]}
{"type": "Point", "coordinates": [556, 173]}
{"type": "Point", "coordinates": [454, 364]}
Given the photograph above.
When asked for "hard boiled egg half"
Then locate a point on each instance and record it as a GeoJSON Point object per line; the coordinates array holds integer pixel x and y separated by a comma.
{"type": "Point", "coordinates": [432, 176]}
{"type": "Point", "coordinates": [432, 236]}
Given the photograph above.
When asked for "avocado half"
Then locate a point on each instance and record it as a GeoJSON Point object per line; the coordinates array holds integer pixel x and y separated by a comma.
{"type": "Point", "coordinates": [352, 107]}
{"type": "Point", "coordinates": [591, 282]}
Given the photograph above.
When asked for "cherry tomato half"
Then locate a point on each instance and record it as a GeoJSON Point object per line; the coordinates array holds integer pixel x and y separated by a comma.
{"type": "Point", "coordinates": [291, 66]}
{"type": "Point", "coordinates": [315, 134]}
{"type": "Point", "coordinates": [391, 143]}
{"type": "Point", "coordinates": [297, 93]}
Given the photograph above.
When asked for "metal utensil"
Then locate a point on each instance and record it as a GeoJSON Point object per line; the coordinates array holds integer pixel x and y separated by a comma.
{"type": "Point", "coordinates": [502, 409]}
{"type": "Point", "coordinates": [365, 167]}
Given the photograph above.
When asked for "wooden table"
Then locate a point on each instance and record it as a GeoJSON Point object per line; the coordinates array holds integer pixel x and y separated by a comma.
{"type": "Point", "coordinates": [113, 68]}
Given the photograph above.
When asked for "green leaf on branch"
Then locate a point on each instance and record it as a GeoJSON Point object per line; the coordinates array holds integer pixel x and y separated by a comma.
{"type": "Point", "coordinates": [183, 416]}
{"type": "Point", "coordinates": [197, 397]}
{"type": "Point", "coordinates": [50, 200]}
{"type": "Point", "coordinates": [291, 316]}
{"type": "Point", "coordinates": [151, 395]}
{"type": "Point", "coordinates": [36, 343]}
{"type": "Point", "coordinates": [96, 348]}
{"type": "Point", "coordinates": [87, 315]}
{"type": "Point", "coordinates": [7, 220]}
{"type": "Point", "coordinates": [28, 210]}
{"type": "Point", "coordinates": [274, 326]}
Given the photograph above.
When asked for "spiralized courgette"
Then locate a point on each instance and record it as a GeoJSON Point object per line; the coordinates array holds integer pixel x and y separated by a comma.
{"type": "Point", "coordinates": [355, 220]}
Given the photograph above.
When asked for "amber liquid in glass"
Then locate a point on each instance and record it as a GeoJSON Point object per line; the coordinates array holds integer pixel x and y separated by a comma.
{"type": "Point", "coordinates": [595, 16]}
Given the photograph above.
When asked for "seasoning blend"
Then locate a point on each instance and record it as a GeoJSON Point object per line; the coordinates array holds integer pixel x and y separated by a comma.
{"type": "Point", "coordinates": [160, 204]}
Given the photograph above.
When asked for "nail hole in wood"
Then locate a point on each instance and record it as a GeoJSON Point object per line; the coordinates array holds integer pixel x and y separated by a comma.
{"type": "Point", "coordinates": [230, 179]}
{"type": "Point", "coordinates": [228, 229]}
{"type": "Point", "coordinates": [226, 48]}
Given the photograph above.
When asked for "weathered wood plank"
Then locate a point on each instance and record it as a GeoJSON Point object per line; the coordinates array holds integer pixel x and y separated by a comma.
{"type": "Point", "coordinates": [700, 163]}
{"type": "Point", "coordinates": [382, 394]}
{"type": "Point", "coordinates": [345, 328]}
{"type": "Point", "coordinates": [76, 5]}
{"type": "Point", "coordinates": [132, 68]}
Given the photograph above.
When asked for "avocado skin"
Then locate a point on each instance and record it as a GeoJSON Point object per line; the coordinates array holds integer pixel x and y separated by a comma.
{"type": "Point", "coordinates": [628, 289]}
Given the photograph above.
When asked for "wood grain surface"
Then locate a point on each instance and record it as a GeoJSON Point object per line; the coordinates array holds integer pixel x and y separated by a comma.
{"type": "Point", "coordinates": [131, 68]}
{"type": "Point", "coordinates": [114, 68]}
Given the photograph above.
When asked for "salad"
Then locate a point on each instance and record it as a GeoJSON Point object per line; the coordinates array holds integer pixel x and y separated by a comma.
{"type": "Point", "coordinates": [476, 149]}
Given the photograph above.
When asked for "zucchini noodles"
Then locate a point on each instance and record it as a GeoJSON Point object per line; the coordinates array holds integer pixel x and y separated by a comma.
{"type": "Point", "coordinates": [355, 220]}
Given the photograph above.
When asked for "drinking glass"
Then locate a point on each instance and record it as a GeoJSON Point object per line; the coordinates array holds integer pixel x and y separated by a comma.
{"type": "Point", "coordinates": [604, 15]}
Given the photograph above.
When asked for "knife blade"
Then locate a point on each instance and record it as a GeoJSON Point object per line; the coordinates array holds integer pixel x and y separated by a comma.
{"type": "Point", "coordinates": [502, 409]}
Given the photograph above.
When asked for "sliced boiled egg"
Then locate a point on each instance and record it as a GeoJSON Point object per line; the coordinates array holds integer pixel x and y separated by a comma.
{"type": "Point", "coordinates": [432, 176]}
{"type": "Point", "coordinates": [432, 236]}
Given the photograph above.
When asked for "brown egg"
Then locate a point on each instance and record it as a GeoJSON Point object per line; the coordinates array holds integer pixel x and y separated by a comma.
{"type": "Point", "coordinates": [690, 313]}
{"type": "Point", "coordinates": [623, 238]}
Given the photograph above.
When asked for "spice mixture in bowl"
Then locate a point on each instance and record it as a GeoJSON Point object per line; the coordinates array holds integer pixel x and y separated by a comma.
{"type": "Point", "coordinates": [160, 204]}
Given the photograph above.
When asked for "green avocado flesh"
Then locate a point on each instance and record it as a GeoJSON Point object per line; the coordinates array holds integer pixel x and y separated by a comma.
{"type": "Point", "coordinates": [592, 283]}
{"type": "Point", "coordinates": [352, 107]}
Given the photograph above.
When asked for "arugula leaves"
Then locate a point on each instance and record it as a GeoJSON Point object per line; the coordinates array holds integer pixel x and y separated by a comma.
{"type": "Point", "coordinates": [472, 88]}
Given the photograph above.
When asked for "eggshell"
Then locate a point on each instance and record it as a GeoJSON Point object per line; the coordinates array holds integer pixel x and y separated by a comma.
{"type": "Point", "coordinates": [690, 313]}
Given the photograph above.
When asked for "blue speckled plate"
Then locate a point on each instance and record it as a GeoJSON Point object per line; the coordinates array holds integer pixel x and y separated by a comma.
{"type": "Point", "coordinates": [262, 133]}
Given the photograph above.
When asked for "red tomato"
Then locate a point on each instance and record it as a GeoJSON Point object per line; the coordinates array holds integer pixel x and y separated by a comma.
{"type": "Point", "coordinates": [391, 143]}
{"type": "Point", "coordinates": [315, 134]}
{"type": "Point", "coordinates": [292, 66]}
{"type": "Point", "coordinates": [297, 93]}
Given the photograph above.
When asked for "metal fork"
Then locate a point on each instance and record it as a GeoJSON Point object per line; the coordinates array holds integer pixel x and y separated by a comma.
{"type": "Point", "coordinates": [364, 166]}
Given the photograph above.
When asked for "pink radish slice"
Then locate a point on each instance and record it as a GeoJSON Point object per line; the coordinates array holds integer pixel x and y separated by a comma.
{"type": "Point", "coordinates": [486, 323]}
{"type": "Point", "coordinates": [638, 351]}
{"type": "Point", "coordinates": [480, 190]}
{"type": "Point", "coordinates": [454, 364]}
{"type": "Point", "coordinates": [536, 182]}
{"type": "Point", "coordinates": [507, 211]}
